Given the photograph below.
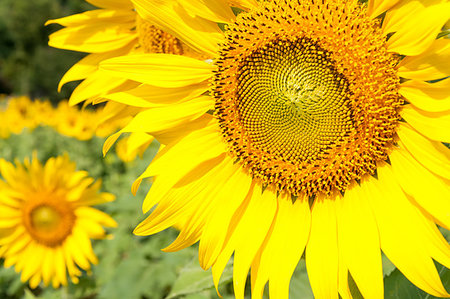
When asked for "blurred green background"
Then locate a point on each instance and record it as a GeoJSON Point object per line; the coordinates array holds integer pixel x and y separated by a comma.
{"type": "Point", "coordinates": [27, 65]}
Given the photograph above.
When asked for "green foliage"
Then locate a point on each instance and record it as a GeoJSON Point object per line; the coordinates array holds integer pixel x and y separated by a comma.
{"type": "Point", "coordinates": [27, 64]}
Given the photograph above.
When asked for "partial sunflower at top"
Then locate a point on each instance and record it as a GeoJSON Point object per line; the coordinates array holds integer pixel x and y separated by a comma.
{"type": "Point", "coordinates": [115, 29]}
{"type": "Point", "coordinates": [325, 140]}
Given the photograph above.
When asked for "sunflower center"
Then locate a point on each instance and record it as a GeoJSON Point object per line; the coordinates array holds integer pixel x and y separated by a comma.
{"type": "Point", "coordinates": [292, 101]}
{"type": "Point", "coordinates": [154, 40]}
{"type": "Point", "coordinates": [306, 94]}
{"type": "Point", "coordinates": [48, 220]}
{"type": "Point", "coordinates": [45, 219]}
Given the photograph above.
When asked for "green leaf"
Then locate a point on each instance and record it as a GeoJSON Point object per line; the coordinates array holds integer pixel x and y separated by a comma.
{"type": "Point", "coordinates": [397, 286]}
{"type": "Point", "coordinates": [193, 279]}
{"type": "Point", "coordinates": [300, 287]}
{"type": "Point", "coordinates": [388, 266]}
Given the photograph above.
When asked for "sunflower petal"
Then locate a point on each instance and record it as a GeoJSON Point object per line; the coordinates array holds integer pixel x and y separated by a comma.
{"type": "Point", "coordinates": [245, 236]}
{"type": "Point", "coordinates": [418, 32]}
{"type": "Point", "coordinates": [432, 154]}
{"type": "Point", "coordinates": [431, 97]}
{"type": "Point", "coordinates": [356, 222]}
{"type": "Point", "coordinates": [430, 65]}
{"type": "Point", "coordinates": [432, 125]}
{"type": "Point", "coordinates": [405, 234]}
{"type": "Point", "coordinates": [162, 70]}
{"type": "Point", "coordinates": [322, 249]}
{"type": "Point", "coordinates": [282, 252]}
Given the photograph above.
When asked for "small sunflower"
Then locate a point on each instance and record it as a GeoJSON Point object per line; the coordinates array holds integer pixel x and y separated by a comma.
{"type": "Point", "coordinates": [320, 135]}
{"type": "Point", "coordinates": [46, 221]}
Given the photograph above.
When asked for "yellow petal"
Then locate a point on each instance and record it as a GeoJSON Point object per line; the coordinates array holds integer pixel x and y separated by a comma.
{"type": "Point", "coordinates": [377, 7]}
{"type": "Point", "coordinates": [162, 70]}
{"type": "Point", "coordinates": [282, 252]}
{"type": "Point", "coordinates": [359, 243]}
{"type": "Point", "coordinates": [432, 154]}
{"type": "Point", "coordinates": [119, 4]}
{"type": "Point", "coordinates": [213, 236]}
{"type": "Point", "coordinates": [147, 96]}
{"type": "Point", "coordinates": [322, 249]}
{"type": "Point", "coordinates": [419, 31]}
{"type": "Point", "coordinates": [96, 216]}
{"type": "Point", "coordinates": [431, 97]}
{"type": "Point", "coordinates": [246, 4]}
{"type": "Point", "coordinates": [88, 65]}
{"type": "Point", "coordinates": [405, 234]}
{"type": "Point", "coordinates": [208, 191]}
{"type": "Point", "coordinates": [200, 34]}
{"type": "Point", "coordinates": [60, 266]}
{"type": "Point", "coordinates": [95, 38]}
{"type": "Point", "coordinates": [432, 125]}
{"type": "Point", "coordinates": [94, 86]}
{"type": "Point", "coordinates": [426, 189]}
{"type": "Point", "coordinates": [96, 16]}
{"type": "Point", "coordinates": [158, 121]}
{"type": "Point", "coordinates": [245, 236]}
{"type": "Point", "coordinates": [213, 10]}
{"type": "Point", "coordinates": [397, 17]}
{"type": "Point", "coordinates": [430, 65]}
{"type": "Point", "coordinates": [200, 149]}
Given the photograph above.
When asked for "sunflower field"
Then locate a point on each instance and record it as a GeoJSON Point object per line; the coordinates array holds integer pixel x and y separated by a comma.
{"type": "Point", "coordinates": [201, 149]}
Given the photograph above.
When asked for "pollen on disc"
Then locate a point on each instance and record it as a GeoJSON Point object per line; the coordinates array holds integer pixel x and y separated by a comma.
{"type": "Point", "coordinates": [307, 98]}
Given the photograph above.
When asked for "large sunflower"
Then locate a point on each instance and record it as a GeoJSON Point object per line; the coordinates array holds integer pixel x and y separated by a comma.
{"type": "Point", "coordinates": [320, 135]}
{"type": "Point", "coordinates": [46, 221]}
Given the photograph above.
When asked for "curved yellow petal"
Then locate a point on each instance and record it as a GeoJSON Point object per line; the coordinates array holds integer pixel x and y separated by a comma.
{"type": "Point", "coordinates": [377, 7]}
{"type": "Point", "coordinates": [426, 189]}
{"type": "Point", "coordinates": [162, 70]}
{"type": "Point", "coordinates": [210, 191]}
{"type": "Point", "coordinates": [88, 65]}
{"type": "Point", "coordinates": [245, 236]}
{"type": "Point", "coordinates": [397, 17]}
{"type": "Point", "coordinates": [213, 10]}
{"type": "Point", "coordinates": [95, 86]}
{"type": "Point", "coordinates": [186, 200]}
{"type": "Point", "coordinates": [405, 233]}
{"type": "Point", "coordinates": [197, 148]}
{"type": "Point", "coordinates": [432, 125]}
{"type": "Point", "coordinates": [158, 121]}
{"type": "Point", "coordinates": [359, 243]}
{"type": "Point", "coordinates": [322, 249]}
{"type": "Point", "coordinates": [96, 16]}
{"type": "Point", "coordinates": [213, 236]}
{"type": "Point", "coordinates": [200, 34]}
{"type": "Point", "coordinates": [431, 97]}
{"type": "Point", "coordinates": [430, 65]}
{"type": "Point", "coordinates": [119, 4]}
{"type": "Point", "coordinates": [246, 4]}
{"type": "Point", "coordinates": [432, 154]}
{"type": "Point", "coordinates": [420, 30]}
{"type": "Point", "coordinates": [95, 38]}
{"type": "Point", "coordinates": [282, 252]}
{"type": "Point", "coordinates": [147, 96]}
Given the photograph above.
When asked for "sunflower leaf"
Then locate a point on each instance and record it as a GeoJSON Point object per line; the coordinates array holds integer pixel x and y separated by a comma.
{"type": "Point", "coordinates": [192, 279]}
{"type": "Point", "coordinates": [396, 285]}
{"type": "Point", "coordinates": [300, 287]}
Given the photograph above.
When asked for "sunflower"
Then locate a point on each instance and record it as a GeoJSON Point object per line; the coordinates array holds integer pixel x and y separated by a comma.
{"type": "Point", "coordinates": [46, 221]}
{"type": "Point", "coordinates": [313, 129]}
{"type": "Point", "coordinates": [115, 29]}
